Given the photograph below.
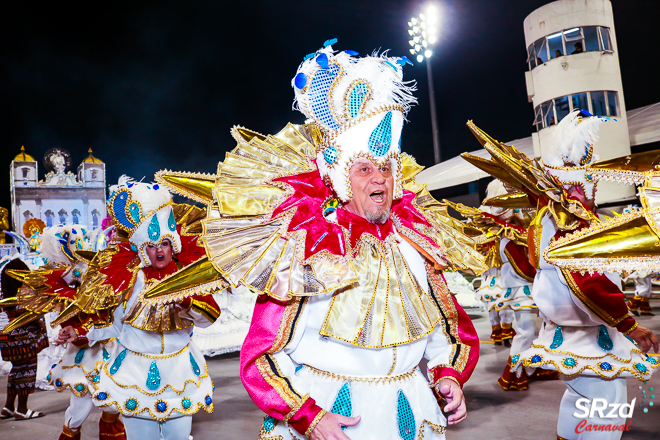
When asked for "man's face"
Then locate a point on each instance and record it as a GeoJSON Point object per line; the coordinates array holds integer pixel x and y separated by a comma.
{"type": "Point", "coordinates": [372, 189]}
{"type": "Point", "coordinates": [160, 256]}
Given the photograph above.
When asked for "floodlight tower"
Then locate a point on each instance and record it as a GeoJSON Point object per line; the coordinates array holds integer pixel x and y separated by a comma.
{"type": "Point", "coordinates": [424, 33]}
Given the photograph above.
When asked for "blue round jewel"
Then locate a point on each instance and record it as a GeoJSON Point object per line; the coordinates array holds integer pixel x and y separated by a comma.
{"type": "Point", "coordinates": [641, 368]}
{"type": "Point", "coordinates": [514, 358]}
{"type": "Point", "coordinates": [161, 406]}
{"type": "Point", "coordinates": [605, 366]}
{"type": "Point", "coordinates": [133, 248]}
{"type": "Point", "coordinates": [156, 186]}
{"type": "Point", "coordinates": [500, 304]}
{"type": "Point", "coordinates": [131, 404]}
{"type": "Point", "coordinates": [80, 387]}
{"type": "Point", "coordinates": [186, 403]}
{"type": "Point", "coordinates": [208, 400]}
{"type": "Point", "coordinates": [536, 358]}
{"type": "Point", "coordinates": [101, 395]}
{"type": "Point", "coordinates": [76, 273]}
{"type": "Point", "coordinates": [96, 379]}
{"type": "Point", "coordinates": [652, 360]}
{"type": "Point", "coordinates": [569, 362]}
{"type": "Point", "coordinates": [322, 60]}
{"type": "Point", "coordinates": [300, 80]}
{"type": "Point", "coordinates": [58, 383]}
{"type": "Point", "coordinates": [330, 154]}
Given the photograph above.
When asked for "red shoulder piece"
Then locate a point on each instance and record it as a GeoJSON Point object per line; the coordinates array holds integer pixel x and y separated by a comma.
{"type": "Point", "coordinates": [518, 256]}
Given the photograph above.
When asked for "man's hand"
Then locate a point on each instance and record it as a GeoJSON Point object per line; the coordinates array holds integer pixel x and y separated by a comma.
{"type": "Point", "coordinates": [66, 334]}
{"type": "Point", "coordinates": [644, 338]}
{"type": "Point", "coordinates": [455, 401]}
{"type": "Point", "coordinates": [329, 427]}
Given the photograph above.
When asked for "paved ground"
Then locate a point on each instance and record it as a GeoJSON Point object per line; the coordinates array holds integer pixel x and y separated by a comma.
{"type": "Point", "coordinates": [493, 413]}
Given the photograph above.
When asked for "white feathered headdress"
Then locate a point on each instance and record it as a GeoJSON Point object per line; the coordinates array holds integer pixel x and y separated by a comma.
{"type": "Point", "coordinates": [573, 150]}
{"type": "Point", "coordinates": [360, 104]}
{"type": "Point", "coordinates": [144, 211]}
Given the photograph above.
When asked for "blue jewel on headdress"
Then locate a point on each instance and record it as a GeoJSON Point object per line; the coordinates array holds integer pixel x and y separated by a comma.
{"type": "Point", "coordinates": [171, 221]}
{"type": "Point", "coordinates": [322, 60]}
{"type": "Point", "coordinates": [269, 423]}
{"type": "Point", "coordinates": [318, 95]}
{"type": "Point", "coordinates": [604, 340]}
{"type": "Point", "coordinates": [135, 212]}
{"type": "Point", "coordinates": [161, 406]}
{"type": "Point", "coordinates": [352, 52]}
{"type": "Point", "coordinates": [154, 228]}
{"type": "Point", "coordinates": [330, 154]}
{"type": "Point", "coordinates": [605, 366]}
{"type": "Point", "coordinates": [106, 355]}
{"type": "Point", "coordinates": [130, 184]}
{"type": "Point", "coordinates": [133, 248]}
{"type": "Point", "coordinates": [536, 359]}
{"type": "Point", "coordinates": [194, 365]}
{"type": "Point", "coordinates": [117, 363]}
{"type": "Point", "coordinates": [405, 418]}
{"type": "Point", "coordinates": [405, 61]}
{"type": "Point", "coordinates": [558, 339]}
{"type": "Point", "coordinates": [156, 186]}
{"type": "Point", "coordinates": [79, 356]}
{"type": "Point", "coordinates": [300, 80]}
{"type": "Point", "coordinates": [153, 378]}
{"type": "Point", "coordinates": [309, 55]}
{"type": "Point", "coordinates": [77, 273]}
{"type": "Point", "coordinates": [380, 139]}
{"type": "Point", "coordinates": [343, 405]}
{"type": "Point", "coordinates": [102, 395]}
{"type": "Point", "coordinates": [73, 231]}
{"type": "Point", "coordinates": [330, 42]}
{"type": "Point", "coordinates": [356, 98]}
{"type": "Point", "coordinates": [119, 209]}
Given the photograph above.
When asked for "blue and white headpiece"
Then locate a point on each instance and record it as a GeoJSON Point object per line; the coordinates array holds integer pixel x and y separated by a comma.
{"type": "Point", "coordinates": [360, 104]}
{"type": "Point", "coordinates": [144, 211]}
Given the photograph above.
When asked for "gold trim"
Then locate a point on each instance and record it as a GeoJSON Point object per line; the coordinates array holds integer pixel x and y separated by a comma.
{"type": "Point", "coordinates": [371, 380]}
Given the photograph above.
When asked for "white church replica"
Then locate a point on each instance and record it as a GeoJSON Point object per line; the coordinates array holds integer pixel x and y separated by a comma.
{"type": "Point", "coordinates": [61, 198]}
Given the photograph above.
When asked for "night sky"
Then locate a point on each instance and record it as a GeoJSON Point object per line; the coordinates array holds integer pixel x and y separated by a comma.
{"type": "Point", "coordinates": [158, 84]}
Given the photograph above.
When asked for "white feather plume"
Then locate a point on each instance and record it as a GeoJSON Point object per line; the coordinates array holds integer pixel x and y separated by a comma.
{"type": "Point", "coordinates": [572, 138]}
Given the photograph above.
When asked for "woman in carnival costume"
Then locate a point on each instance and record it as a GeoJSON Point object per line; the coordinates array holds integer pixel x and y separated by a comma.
{"type": "Point", "coordinates": [346, 251]}
{"type": "Point", "coordinates": [587, 335]}
{"type": "Point", "coordinates": [154, 376]}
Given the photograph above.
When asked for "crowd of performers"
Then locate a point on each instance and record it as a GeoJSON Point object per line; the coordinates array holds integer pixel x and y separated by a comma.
{"type": "Point", "coordinates": [345, 252]}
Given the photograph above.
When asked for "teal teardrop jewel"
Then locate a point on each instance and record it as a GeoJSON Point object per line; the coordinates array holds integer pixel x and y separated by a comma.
{"type": "Point", "coordinates": [135, 212]}
{"type": "Point", "coordinates": [343, 405]}
{"type": "Point", "coordinates": [558, 339]}
{"type": "Point", "coordinates": [604, 340]}
{"type": "Point", "coordinates": [154, 228]}
{"type": "Point", "coordinates": [492, 282]}
{"type": "Point", "coordinates": [526, 290]}
{"type": "Point", "coordinates": [171, 221]}
{"type": "Point", "coordinates": [380, 139]}
{"type": "Point", "coordinates": [117, 363]}
{"type": "Point", "coordinates": [405, 418]}
{"type": "Point", "coordinates": [106, 355]}
{"type": "Point", "coordinates": [79, 356]}
{"type": "Point", "coordinates": [508, 293]}
{"type": "Point", "coordinates": [153, 378]}
{"type": "Point", "coordinates": [194, 365]}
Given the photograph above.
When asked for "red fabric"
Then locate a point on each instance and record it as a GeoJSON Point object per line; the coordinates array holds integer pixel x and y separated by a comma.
{"type": "Point", "coordinates": [207, 299]}
{"type": "Point", "coordinates": [117, 273]}
{"type": "Point", "coordinates": [109, 430]}
{"type": "Point", "coordinates": [191, 250]}
{"type": "Point", "coordinates": [501, 222]}
{"type": "Point", "coordinates": [603, 297]}
{"type": "Point", "coordinates": [509, 381]}
{"type": "Point", "coordinates": [158, 274]}
{"type": "Point", "coordinates": [58, 286]}
{"type": "Point", "coordinates": [266, 319]}
{"type": "Point", "coordinates": [520, 254]}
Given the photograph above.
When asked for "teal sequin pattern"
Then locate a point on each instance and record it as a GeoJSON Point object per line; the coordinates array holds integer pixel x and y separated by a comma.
{"type": "Point", "coordinates": [558, 338]}
{"type": "Point", "coordinates": [79, 356]}
{"type": "Point", "coordinates": [135, 212]}
{"type": "Point", "coordinates": [356, 99]}
{"type": "Point", "coordinates": [405, 418]}
{"type": "Point", "coordinates": [153, 378]}
{"type": "Point", "coordinates": [171, 221]}
{"type": "Point", "coordinates": [269, 423]}
{"type": "Point", "coordinates": [343, 405]}
{"type": "Point", "coordinates": [318, 95]}
{"type": "Point", "coordinates": [380, 139]}
{"type": "Point", "coordinates": [106, 355]}
{"type": "Point", "coordinates": [604, 340]}
{"type": "Point", "coordinates": [117, 363]}
{"type": "Point", "coordinates": [154, 228]}
{"type": "Point", "coordinates": [194, 365]}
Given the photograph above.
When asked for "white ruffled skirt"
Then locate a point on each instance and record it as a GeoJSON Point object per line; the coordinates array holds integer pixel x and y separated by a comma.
{"type": "Point", "coordinates": [77, 364]}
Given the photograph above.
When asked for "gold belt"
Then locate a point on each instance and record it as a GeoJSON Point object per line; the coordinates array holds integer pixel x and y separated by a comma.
{"type": "Point", "coordinates": [371, 380]}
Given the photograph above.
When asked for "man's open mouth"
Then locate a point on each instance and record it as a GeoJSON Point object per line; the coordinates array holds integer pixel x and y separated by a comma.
{"type": "Point", "coordinates": [378, 196]}
{"type": "Point", "coordinates": [160, 257]}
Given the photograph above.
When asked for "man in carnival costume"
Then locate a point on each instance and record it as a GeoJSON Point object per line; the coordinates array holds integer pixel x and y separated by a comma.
{"type": "Point", "coordinates": [154, 376]}
{"type": "Point", "coordinates": [346, 251]}
{"type": "Point", "coordinates": [51, 288]}
{"type": "Point", "coordinates": [588, 335]}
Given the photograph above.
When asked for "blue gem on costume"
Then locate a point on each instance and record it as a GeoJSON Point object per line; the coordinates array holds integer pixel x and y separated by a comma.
{"type": "Point", "coordinates": [161, 406]}
{"type": "Point", "coordinates": [299, 367]}
{"type": "Point", "coordinates": [79, 356]}
{"type": "Point", "coordinates": [486, 296]}
{"type": "Point", "coordinates": [186, 403]}
{"type": "Point", "coordinates": [80, 387]}
{"type": "Point", "coordinates": [53, 366]}
{"type": "Point", "coordinates": [508, 293]}
{"type": "Point", "coordinates": [101, 395]}
{"type": "Point", "coordinates": [558, 339]}
{"type": "Point", "coordinates": [106, 355]}
{"type": "Point", "coordinates": [516, 211]}
{"type": "Point", "coordinates": [77, 273]}
{"type": "Point", "coordinates": [536, 359]}
{"type": "Point", "coordinates": [380, 139]}
{"type": "Point", "coordinates": [156, 186]}
{"type": "Point", "coordinates": [514, 359]}
{"type": "Point", "coordinates": [569, 362]}
{"type": "Point", "coordinates": [134, 208]}
{"type": "Point", "coordinates": [516, 305]}
{"type": "Point", "coordinates": [356, 98]}
{"type": "Point", "coordinates": [492, 282]}
{"type": "Point", "coordinates": [322, 60]}
{"type": "Point", "coordinates": [194, 365]}
{"type": "Point", "coordinates": [131, 404]}
{"type": "Point", "coordinates": [300, 80]}
{"type": "Point", "coordinates": [154, 228]}
{"type": "Point", "coordinates": [48, 377]}
{"type": "Point", "coordinates": [641, 368]}
{"type": "Point", "coordinates": [119, 208]}
{"type": "Point", "coordinates": [500, 304]}
{"type": "Point", "coordinates": [343, 405]}
{"type": "Point", "coordinates": [329, 42]}
{"type": "Point", "coordinates": [117, 363]}
{"type": "Point", "coordinates": [133, 248]}
{"type": "Point", "coordinates": [153, 378]}
{"type": "Point", "coordinates": [269, 423]}
{"type": "Point", "coordinates": [405, 418]}
{"type": "Point", "coordinates": [208, 400]}
{"type": "Point", "coordinates": [604, 340]}
{"type": "Point", "coordinates": [318, 95]}
{"type": "Point", "coordinates": [526, 290]}
{"type": "Point", "coordinates": [652, 360]}
{"type": "Point", "coordinates": [58, 383]}
{"type": "Point", "coordinates": [330, 154]}
{"type": "Point", "coordinates": [352, 52]}
{"type": "Point", "coordinates": [96, 379]}
{"type": "Point", "coordinates": [605, 366]}
{"type": "Point", "coordinates": [405, 60]}
{"type": "Point", "coordinates": [171, 221]}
